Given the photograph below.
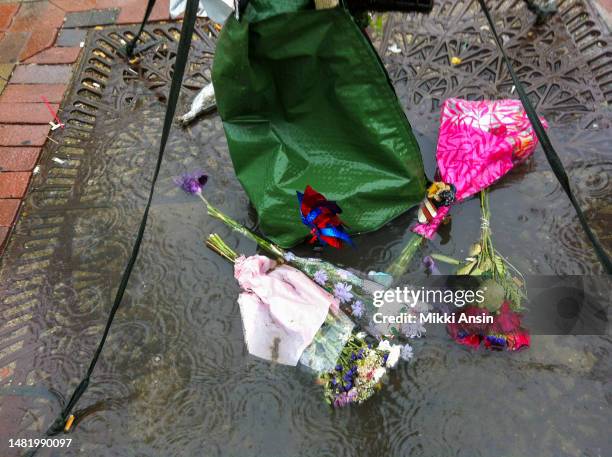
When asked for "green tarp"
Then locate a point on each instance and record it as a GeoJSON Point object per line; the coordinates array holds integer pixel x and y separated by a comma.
{"type": "Point", "coordinates": [305, 100]}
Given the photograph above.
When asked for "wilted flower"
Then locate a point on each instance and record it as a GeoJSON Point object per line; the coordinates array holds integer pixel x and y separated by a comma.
{"type": "Point", "coordinates": [357, 309]}
{"type": "Point", "coordinates": [342, 292]}
{"type": "Point", "coordinates": [192, 183]}
{"type": "Point", "coordinates": [320, 277]}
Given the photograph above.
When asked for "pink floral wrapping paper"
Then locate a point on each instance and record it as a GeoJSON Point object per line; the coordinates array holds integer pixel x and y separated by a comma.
{"type": "Point", "coordinates": [479, 142]}
{"type": "Point", "coordinates": [281, 308]}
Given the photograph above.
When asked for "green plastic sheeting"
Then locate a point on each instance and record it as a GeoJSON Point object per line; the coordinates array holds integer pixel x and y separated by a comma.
{"type": "Point", "coordinates": [305, 100]}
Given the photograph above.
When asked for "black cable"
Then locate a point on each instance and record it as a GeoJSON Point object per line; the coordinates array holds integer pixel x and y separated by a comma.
{"type": "Point", "coordinates": [175, 88]}
{"type": "Point", "coordinates": [129, 49]}
{"type": "Point", "coordinates": [549, 150]}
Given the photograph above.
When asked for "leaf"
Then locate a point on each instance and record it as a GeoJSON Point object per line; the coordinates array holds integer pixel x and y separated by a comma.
{"type": "Point", "coordinates": [486, 265]}
{"type": "Point", "coordinates": [500, 265]}
{"type": "Point", "coordinates": [467, 268]}
{"type": "Point", "coordinates": [476, 272]}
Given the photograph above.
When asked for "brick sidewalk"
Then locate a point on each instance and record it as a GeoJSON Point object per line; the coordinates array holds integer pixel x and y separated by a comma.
{"type": "Point", "coordinates": [39, 43]}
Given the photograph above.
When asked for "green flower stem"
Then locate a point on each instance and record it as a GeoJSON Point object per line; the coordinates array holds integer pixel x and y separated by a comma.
{"type": "Point", "coordinates": [215, 243]}
{"type": "Point", "coordinates": [267, 246]}
{"type": "Point", "coordinates": [445, 259]}
{"type": "Point", "coordinates": [400, 265]}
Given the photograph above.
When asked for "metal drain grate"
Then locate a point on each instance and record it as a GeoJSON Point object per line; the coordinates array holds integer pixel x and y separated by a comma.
{"type": "Point", "coordinates": [565, 64]}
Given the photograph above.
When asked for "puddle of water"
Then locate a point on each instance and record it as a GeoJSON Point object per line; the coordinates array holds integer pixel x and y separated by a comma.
{"type": "Point", "coordinates": [175, 379]}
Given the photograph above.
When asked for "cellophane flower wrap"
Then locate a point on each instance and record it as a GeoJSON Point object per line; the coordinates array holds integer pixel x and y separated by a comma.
{"type": "Point", "coordinates": [281, 308]}
{"type": "Point", "coordinates": [478, 143]}
{"type": "Point", "coordinates": [356, 294]}
{"type": "Point", "coordinates": [287, 318]}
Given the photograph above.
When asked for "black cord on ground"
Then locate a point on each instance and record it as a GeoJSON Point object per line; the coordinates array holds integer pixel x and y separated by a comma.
{"type": "Point", "coordinates": [65, 418]}
{"type": "Point", "coordinates": [549, 150]}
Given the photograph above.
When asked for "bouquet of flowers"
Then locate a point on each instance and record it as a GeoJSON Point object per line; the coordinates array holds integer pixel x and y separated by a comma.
{"type": "Point", "coordinates": [287, 318]}
{"type": "Point", "coordinates": [504, 292]}
{"type": "Point", "coordinates": [479, 142]}
{"type": "Point", "coordinates": [353, 290]}
{"type": "Point", "coordinates": [360, 370]}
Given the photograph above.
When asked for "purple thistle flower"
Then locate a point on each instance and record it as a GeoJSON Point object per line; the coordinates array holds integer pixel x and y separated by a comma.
{"type": "Point", "coordinates": [320, 277]}
{"type": "Point", "coordinates": [357, 308]}
{"type": "Point", "coordinates": [192, 183]}
{"type": "Point", "coordinates": [345, 398]}
{"type": "Point", "coordinates": [430, 265]}
{"type": "Point", "coordinates": [342, 292]}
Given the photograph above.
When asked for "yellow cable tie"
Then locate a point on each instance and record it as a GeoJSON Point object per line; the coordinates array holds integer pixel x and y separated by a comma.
{"type": "Point", "coordinates": [69, 423]}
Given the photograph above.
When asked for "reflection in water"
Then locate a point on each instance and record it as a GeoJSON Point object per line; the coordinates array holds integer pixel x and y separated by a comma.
{"type": "Point", "coordinates": [175, 379]}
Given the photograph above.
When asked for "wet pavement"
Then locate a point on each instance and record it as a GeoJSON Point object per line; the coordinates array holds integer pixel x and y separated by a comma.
{"type": "Point", "coordinates": [175, 379]}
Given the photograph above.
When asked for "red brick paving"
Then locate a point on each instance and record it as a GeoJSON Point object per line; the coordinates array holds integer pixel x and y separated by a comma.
{"type": "Point", "coordinates": [8, 210]}
{"type": "Point", "coordinates": [133, 11]}
{"type": "Point", "coordinates": [18, 159]}
{"type": "Point", "coordinates": [31, 93]}
{"type": "Point", "coordinates": [11, 45]}
{"type": "Point", "coordinates": [23, 135]}
{"type": "Point", "coordinates": [7, 11]}
{"type": "Point", "coordinates": [13, 184]}
{"type": "Point", "coordinates": [46, 18]}
{"type": "Point", "coordinates": [39, 40]}
{"type": "Point", "coordinates": [37, 16]}
{"type": "Point", "coordinates": [56, 55]}
{"type": "Point", "coordinates": [72, 6]}
{"type": "Point", "coordinates": [41, 74]}
{"type": "Point", "coordinates": [30, 113]}
{"type": "Point", "coordinates": [28, 35]}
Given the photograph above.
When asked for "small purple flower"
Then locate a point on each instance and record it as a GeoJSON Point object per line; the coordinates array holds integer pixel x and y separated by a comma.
{"type": "Point", "coordinates": [430, 265]}
{"type": "Point", "coordinates": [357, 308]}
{"type": "Point", "coordinates": [342, 292]}
{"type": "Point", "coordinates": [192, 183]}
{"type": "Point", "coordinates": [320, 277]}
{"type": "Point", "coordinates": [289, 256]}
{"type": "Point", "coordinates": [345, 398]}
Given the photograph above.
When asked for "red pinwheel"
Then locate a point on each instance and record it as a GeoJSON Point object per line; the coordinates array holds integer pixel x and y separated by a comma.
{"type": "Point", "coordinates": [321, 216]}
